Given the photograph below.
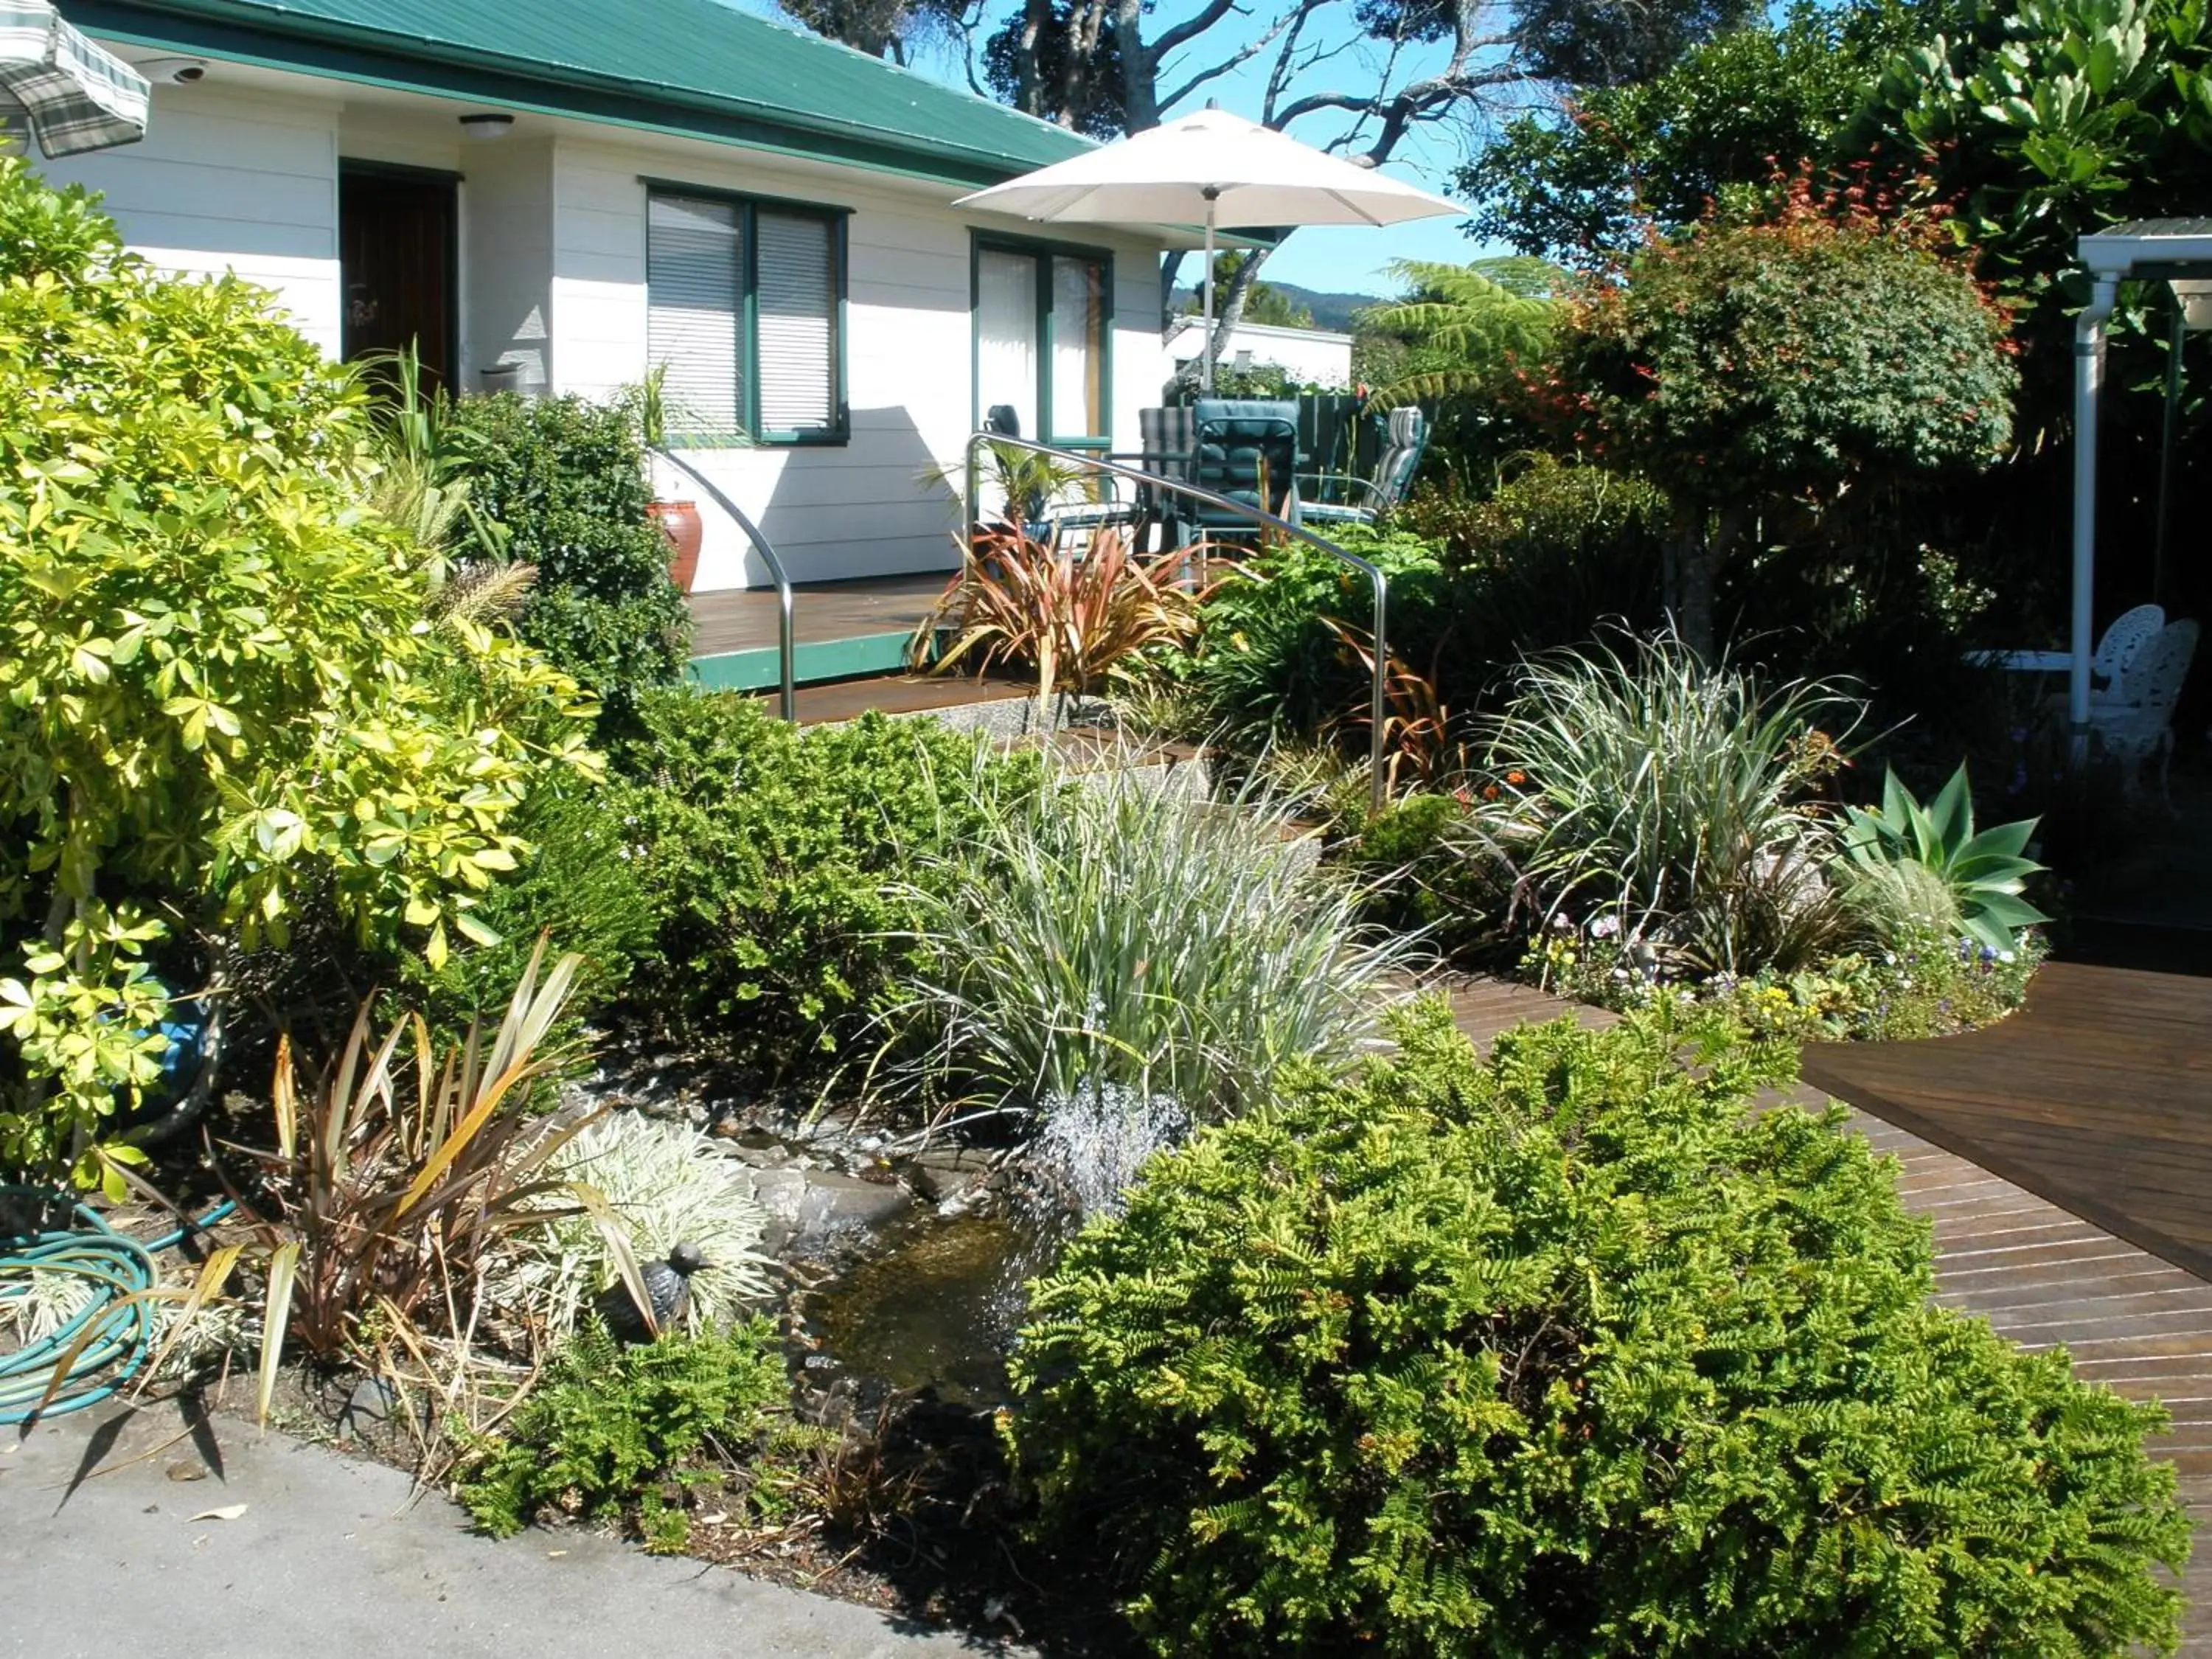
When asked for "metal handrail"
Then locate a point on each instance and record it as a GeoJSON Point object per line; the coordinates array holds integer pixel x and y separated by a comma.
{"type": "Point", "coordinates": [786, 597]}
{"type": "Point", "coordinates": [1376, 580]}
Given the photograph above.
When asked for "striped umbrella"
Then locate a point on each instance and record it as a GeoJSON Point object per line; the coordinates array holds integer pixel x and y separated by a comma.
{"type": "Point", "coordinates": [73, 94]}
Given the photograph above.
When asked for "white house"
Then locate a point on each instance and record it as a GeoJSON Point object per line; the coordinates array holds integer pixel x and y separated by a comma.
{"type": "Point", "coordinates": [561, 193]}
{"type": "Point", "coordinates": [1312, 357]}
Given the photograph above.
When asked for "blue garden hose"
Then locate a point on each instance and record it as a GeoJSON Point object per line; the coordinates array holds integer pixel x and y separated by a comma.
{"type": "Point", "coordinates": [118, 1268]}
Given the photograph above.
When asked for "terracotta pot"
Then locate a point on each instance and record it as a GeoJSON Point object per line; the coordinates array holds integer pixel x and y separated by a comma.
{"type": "Point", "coordinates": [679, 522]}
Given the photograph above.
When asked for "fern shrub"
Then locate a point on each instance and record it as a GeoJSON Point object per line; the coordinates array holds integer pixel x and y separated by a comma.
{"type": "Point", "coordinates": [613, 1431]}
{"type": "Point", "coordinates": [1570, 1352]}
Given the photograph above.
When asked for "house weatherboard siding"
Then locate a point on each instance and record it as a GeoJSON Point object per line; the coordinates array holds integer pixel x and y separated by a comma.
{"type": "Point", "coordinates": [242, 169]}
{"type": "Point", "coordinates": [862, 507]}
{"type": "Point", "coordinates": [246, 184]}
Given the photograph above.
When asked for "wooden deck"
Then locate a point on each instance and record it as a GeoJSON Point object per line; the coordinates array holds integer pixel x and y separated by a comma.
{"type": "Point", "coordinates": [744, 619]}
{"type": "Point", "coordinates": [2090, 1094]}
{"type": "Point", "coordinates": [2098, 1095]}
{"type": "Point", "coordinates": [897, 693]}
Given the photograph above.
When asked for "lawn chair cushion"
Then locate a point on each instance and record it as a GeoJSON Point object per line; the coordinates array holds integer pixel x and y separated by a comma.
{"type": "Point", "coordinates": [1239, 441]}
{"type": "Point", "coordinates": [1165, 438]}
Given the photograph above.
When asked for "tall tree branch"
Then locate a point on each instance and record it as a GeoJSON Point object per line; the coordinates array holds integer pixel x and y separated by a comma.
{"type": "Point", "coordinates": [1182, 33]}
{"type": "Point", "coordinates": [1237, 59]}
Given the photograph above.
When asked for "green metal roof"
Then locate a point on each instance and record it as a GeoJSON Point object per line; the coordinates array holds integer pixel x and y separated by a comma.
{"type": "Point", "coordinates": [694, 67]}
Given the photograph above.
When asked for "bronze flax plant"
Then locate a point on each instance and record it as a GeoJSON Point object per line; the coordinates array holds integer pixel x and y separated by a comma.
{"type": "Point", "coordinates": [1076, 619]}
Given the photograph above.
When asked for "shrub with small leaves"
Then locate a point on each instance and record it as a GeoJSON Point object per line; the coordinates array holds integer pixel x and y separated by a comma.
{"type": "Point", "coordinates": [566, 480]}
{"type": "Point", "coordinates": [576, 883]}
{"type": "Point", "coordinates": [612, 1430]}
{"type": "Point", "coordinates": [1427, 867]}
{"type": "Point", "coordinates": [767, 850]}
{"type": "Point", "coordinates": [1569, 1352]}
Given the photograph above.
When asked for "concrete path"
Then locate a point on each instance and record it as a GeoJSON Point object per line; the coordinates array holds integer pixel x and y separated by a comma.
{"type": "Point", "coordinates": [104, 1561]}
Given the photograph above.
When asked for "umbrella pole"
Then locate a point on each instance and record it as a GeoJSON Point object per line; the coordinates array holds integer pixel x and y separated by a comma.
{"type": "Point", "coordinates": [1206, 290]}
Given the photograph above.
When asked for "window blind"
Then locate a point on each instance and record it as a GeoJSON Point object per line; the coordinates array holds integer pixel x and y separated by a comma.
{"type": "Point", "coordinates": [795, 274]}
{"type": "Point", "coordinates": [694, 293]}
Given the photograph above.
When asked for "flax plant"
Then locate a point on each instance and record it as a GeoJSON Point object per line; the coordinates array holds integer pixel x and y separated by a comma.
{"type": "Point", "coordinates": [1121, 932]}
{"type": "Point", "coordinates": [1076, 619]}
{"type": "Point", "coordinates": [396, 1179]}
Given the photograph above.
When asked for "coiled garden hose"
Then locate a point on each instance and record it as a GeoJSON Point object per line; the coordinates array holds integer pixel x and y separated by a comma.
{"type": "Point", "coordinates": [125, 1321]}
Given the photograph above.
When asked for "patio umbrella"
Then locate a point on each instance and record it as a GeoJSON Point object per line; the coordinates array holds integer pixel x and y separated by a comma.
{"type": "Point", "coordinates": [74, 95]}
{"type": "Point", "coordinates": [1217, 167]}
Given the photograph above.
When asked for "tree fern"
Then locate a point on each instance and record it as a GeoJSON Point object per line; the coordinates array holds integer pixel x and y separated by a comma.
{"type": "Point", "coordinates": [1466, 322]}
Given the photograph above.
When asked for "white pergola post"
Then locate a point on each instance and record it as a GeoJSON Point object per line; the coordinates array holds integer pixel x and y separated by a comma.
{"type": "Point", "coordinates": [2088, 383]}
{"type": "Point", "coordinates": [2144, 249]}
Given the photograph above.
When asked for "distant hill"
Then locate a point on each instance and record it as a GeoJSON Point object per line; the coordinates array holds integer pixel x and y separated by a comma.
{"type": "Point", "coordinates": [1330, 311]}
{"type": "Point", "coordinates": [1333, 312]}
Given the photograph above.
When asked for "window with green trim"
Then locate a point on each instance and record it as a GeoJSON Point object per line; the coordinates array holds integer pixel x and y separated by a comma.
{"type": "Point", "coordinates": [745, 304]}
{"type": "Point", "coordinates": [1044, 340]}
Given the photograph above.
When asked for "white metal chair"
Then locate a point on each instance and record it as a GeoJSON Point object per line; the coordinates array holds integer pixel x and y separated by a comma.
{"type": "Point", "coordinates": [2128, 634]}
{"type": "Point", "coordinates": [2133, 720]}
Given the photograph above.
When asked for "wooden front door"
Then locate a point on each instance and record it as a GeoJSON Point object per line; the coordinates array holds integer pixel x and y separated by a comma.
{"type": "Point", "coordinates": [396, 247]}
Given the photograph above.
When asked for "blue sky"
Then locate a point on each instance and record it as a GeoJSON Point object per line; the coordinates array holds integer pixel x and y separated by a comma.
{"type": "Point", "coordinates": [1351, 259]}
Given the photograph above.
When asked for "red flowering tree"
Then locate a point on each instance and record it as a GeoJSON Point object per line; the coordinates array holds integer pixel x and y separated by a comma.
{"type": "Point", "coordinates": [1745, 365]}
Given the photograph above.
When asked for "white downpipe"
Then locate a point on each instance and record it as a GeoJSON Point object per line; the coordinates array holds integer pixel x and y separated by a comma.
{"type": "Point", "coordinates": [2088, 383]}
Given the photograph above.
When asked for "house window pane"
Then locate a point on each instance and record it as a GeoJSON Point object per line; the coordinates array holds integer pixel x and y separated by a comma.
{"type": "Point", "coordinates": [694, 281]}
{"type": "Point", "coordinates": [1079, 349]}
{"type": "Point", "coordinates": [1007, 345]}
{"type": "Point", "coordinates": [797, 321]}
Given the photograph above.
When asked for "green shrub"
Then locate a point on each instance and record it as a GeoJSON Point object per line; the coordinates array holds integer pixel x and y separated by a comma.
{"type": "Point", "coordinates": [1673, 796]}
{"type": "Point", "coordinates": [1267, 664]}
{"type": "Point", "coordinates": [1570, 1352]}
{"type": "Point", "coordinates": [1553, 518]}
{"type": "Point", "coordinates": [1475, 584]}
{"type": "Point", "coordinates": [1124, 932]}
{"type": "Point", "coordinates": [577, 884]}
{"type": "Point", "coordinates": [566, 479]}
{"type": "Point", "coordinates": [217, 706]}
{"type": "Point", "coordinates": [765, 851]}
{"type": "Point", "coordinates": [1428, 868]}
{"type": "Point", "coordinates": [610, 1428]}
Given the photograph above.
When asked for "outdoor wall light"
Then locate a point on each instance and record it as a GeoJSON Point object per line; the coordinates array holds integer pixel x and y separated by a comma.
{"type": "Point", "coordinates": [2195, 294]}
{"type": "Point", "coordinates": [487, 124]}
{"type": "Point", "coordinates": [177, 71]}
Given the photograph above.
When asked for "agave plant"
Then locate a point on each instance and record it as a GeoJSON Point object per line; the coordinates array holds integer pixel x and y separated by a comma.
{"type": "Point", "coordinates": [1982, 874]}
{"type": "Point", "coordinates": [1076, 619]}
